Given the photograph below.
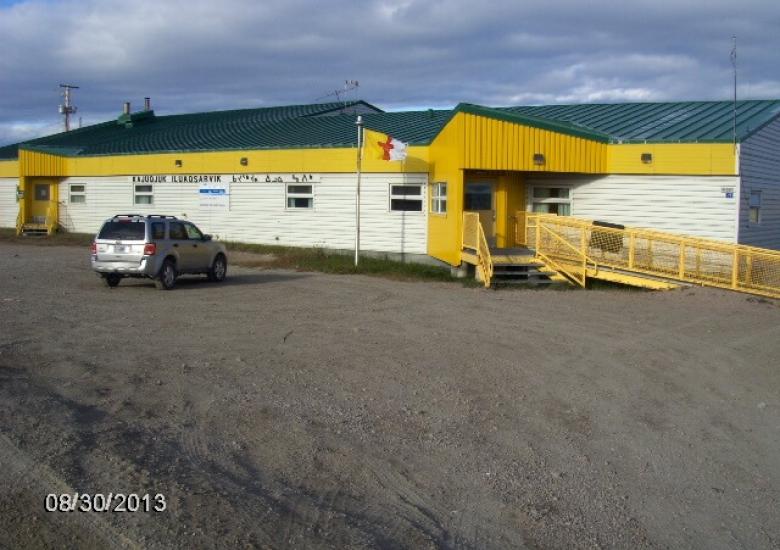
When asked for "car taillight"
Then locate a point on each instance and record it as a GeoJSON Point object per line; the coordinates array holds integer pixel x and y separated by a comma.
{"type": "Point", "coordinates": [150, 249]}
{"type": "Point", "coordinates": [94, 248]}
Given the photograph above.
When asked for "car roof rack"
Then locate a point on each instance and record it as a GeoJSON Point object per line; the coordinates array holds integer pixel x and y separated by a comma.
{"type": "Point", "coordinates": [162, 216]}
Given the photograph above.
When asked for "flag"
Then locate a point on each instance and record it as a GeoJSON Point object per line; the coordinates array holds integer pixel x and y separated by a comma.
{"type": "Point", "coordinates": [393, 149]}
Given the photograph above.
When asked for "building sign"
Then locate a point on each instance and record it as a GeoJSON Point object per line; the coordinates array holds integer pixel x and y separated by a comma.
{"type": "Point", "coordinates": [214, 196]}
{"type": "Point", "coordinates": [212, 179]}
{"type": "Point", "coordinates": [728, 192]}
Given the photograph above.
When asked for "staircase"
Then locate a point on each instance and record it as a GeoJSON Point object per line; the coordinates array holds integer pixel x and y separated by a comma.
{"type": "Point", "coordinates": [570, 250]}
{"type": "Point", "coordinates": [519, 266]}
{"type": "Point", "coordinates": [34, 230]}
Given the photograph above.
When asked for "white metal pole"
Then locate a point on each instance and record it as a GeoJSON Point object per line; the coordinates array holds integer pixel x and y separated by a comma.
{"type": "Point", "coordinates": [357, 190]}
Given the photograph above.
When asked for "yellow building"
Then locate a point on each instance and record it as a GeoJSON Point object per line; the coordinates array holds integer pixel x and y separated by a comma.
{"type": "Point", "coordinates": [290, 173]}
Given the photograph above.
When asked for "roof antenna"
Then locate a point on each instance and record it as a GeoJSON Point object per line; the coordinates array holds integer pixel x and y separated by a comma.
{"type": "Point", "coordinates": [66, 109]}
{"type": "Point", "coordinates": [734, 114]}
{"type": "Point", "coordinates": [349, 85]}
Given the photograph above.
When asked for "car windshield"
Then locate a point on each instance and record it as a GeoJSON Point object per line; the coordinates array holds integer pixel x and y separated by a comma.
{"type": "Point", "coordinates": [123, 231]}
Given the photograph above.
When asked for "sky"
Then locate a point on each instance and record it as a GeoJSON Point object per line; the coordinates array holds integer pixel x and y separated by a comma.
{"type": "Point", "coordinates": [202, 55]}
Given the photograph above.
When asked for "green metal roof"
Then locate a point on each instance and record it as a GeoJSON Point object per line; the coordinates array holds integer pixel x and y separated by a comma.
{"type": "Point", "coordinates": [682, 122]}
{"type": "Point", "coordinates": [306, 126]}
{"type": "Point", "coordinates": [322, 125]}
{"type": "Point", "coordinates": [9, 152]}
{"type": "Point", "coordinates": [560, 126]}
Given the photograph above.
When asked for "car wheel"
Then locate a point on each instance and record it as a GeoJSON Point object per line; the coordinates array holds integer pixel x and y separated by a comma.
{"type": "Point", "coordinates": [218, 269]}
{"type": "Point", "coordinates": [166, 279]}
{"type": "Point", "coordinates": [112, 279]}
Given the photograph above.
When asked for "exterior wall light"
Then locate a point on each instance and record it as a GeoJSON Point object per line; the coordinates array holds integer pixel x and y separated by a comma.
{"type": "Point", "coordinates": [647, 158]}
{"type": "Point", "coordinates": [178, 163]}
{"type": "Point", "coordinates": [539, 159]}
{"type": "Point", "coordinates": [244, 161]}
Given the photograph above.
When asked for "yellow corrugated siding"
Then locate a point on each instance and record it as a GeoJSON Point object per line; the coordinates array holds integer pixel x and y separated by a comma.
{"type": "Point", "coordinates": [498, 145]}
{"type": "Point", "coordinates": [34, 163]}
{"type": "Point", "coordinates": [289, 160]}
{"type": "Point", "coordinates": [673, 158]}
{"type": "Point", "coordinates": [9, 169]}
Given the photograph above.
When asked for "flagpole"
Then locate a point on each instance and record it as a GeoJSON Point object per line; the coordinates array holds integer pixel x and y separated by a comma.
{"type": "Point", "coordinates": [357, 190]}
{"type": "Point", "coordinates": [734, 111]}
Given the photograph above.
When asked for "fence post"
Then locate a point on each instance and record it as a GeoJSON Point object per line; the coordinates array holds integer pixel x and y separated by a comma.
{"type": "Point", "coordinates": [682, 259]}
{"type": "Point", "coordinates": [735, 270]}
{"type": "Point", "coordinates": [631, 249]}
{"type": "Point", "coordinates": [538, 233]}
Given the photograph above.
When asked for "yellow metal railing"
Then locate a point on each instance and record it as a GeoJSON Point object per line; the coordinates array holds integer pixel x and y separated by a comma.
{"type": "Point", "coordinates": [474, 239]}
{"type": "Point", "coordinates": [687, 259]}
{"type": "Point", "coordinates": [51, 219]}
{"type": "Point", "coordinates": [19, 222]}
{"type": "Point", "coordinates": [561, 255]}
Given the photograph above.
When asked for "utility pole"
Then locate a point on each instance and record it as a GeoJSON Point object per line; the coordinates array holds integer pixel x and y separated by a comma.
{"type": "Point", "coordinates": [66, 109]}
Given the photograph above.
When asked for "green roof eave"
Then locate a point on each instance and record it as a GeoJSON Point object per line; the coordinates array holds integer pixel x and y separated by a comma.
{"type": "Point", "coordinates": [58, 151]}
{"type": "Point", "coordinates": [534, 122]}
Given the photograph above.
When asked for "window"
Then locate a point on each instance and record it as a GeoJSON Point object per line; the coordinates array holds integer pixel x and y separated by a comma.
{"type": "Point", "coordinates": [123, 231]}
{"type": "Point", "coordinates": [478, 196]}
{"type": "Point", "coordinates": [78, 193]}
{"type": "Point", "coordinates": [406, 198]}
{"type": "Point", "coordinates": [158, 231]}
{"type": "Point", "coordinates": [144, 194]}
{"type": "Point", "coordinates": [41, 191]}
{"type": "Point", "coordinates": [300, 196]}
{"type": "Point", "coordinates": [193, 232]}
{"type": "Point", "coordinates": [177, 231]}
{"type": "Point", "coordinates": [551, 200]}
{"type": "Point", "coordinates": [755, 207]}
{"type": "Point", "coordinates": [439, 198]}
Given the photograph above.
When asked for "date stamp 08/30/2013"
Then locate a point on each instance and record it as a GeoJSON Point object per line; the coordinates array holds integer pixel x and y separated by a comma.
{"type": "Point", "coordinates": [105, 502]}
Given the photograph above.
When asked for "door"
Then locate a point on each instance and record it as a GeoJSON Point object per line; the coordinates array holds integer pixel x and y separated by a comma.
{"type": "Point", "coordinates": [200, 253]}
{"type": "Point", "coordinates": [40, 202]}
{"type": "Point", "coordinates": [480, 197]}
{"type": "Point", "coordinates": [180, 241]}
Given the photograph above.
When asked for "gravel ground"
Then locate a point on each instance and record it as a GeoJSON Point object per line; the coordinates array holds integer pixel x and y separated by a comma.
{"type": "Point", "coordinates": [283, 409]}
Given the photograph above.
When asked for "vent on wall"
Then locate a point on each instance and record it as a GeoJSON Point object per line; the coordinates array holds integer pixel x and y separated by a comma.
{"type": "Point", "coordinates": [647, 158]}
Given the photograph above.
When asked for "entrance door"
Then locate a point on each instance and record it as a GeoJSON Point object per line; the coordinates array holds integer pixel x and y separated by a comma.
{"type": "Point", "coordinates": [480, 197]}
{"type": "Point", "coordinates": [40, 203]}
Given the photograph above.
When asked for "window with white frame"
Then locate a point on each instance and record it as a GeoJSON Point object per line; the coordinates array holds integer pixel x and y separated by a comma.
{"type": "Point", "coordinates": [406, 197]}
{"type": "Point", "coordinates": [300, 196]}
{"type": "Point", "coordinates": [755, 207]}
{"type": "Point", "coordinates": [143, 194]}
{"type": "Point", "coordinates": [439, 198]}
{"type": "Point", "coordinates": [77, 193]}
{"type": "Point", "coordinates": [551, 200]}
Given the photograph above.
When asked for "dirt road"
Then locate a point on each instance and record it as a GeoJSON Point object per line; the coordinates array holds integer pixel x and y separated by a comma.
{"type": "Point", "coordinates": [286, 409]}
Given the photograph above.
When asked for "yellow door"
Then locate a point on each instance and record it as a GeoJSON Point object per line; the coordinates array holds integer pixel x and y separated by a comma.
{"type": "Point", "coordinates": [480, 197]}
{"type": "Point", "coordinates": [40, 202]}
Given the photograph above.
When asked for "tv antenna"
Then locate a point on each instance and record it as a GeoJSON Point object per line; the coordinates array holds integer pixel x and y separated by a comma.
{"type": "Point", "coordinates": [67, 109]}
{"type": "Point", "coordinates": [349, 85]}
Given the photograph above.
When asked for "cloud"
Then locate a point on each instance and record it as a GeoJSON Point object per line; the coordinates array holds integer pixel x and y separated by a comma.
{"type": "Point", "coordinates": [201, 55]}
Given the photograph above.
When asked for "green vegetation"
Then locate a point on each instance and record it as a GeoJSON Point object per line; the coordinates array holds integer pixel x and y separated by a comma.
{"type": "Point", "coordinates": [325, 261]}
{"type": "Point", "coordinates": [62, 238]}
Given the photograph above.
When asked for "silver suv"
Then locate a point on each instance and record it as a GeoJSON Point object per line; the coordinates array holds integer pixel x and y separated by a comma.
{"type": "Point", "coordinates": [158, 247]}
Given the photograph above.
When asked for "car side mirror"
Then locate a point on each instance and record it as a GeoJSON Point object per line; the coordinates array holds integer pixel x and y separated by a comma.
{"type": "Point", "coordinates": [206, 237]}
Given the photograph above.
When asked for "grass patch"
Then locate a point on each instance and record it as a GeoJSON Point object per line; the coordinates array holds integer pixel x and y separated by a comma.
{"type": "Point", "coordinates": [321, 260]}
{"type": "Point", "coordinates": [61, 238]}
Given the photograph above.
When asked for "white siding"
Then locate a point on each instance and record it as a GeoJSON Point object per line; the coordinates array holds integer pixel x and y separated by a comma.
{"type": "Point", "coordinates": [257, 212]}
{"type": "Point", "coordinates": [9, 208]}
{"type": "Point", "coordinates": [690, 205]}
{"type": "Point", "coordinates": [760, 171]}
